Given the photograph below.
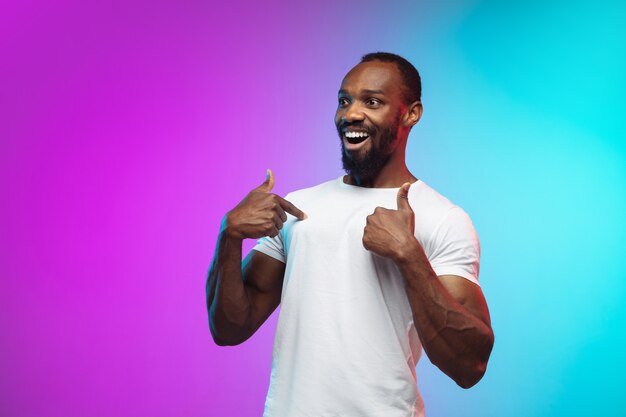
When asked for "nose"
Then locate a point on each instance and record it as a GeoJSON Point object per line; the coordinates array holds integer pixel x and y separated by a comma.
{"type": "Point", "coordinates": [353, 113]}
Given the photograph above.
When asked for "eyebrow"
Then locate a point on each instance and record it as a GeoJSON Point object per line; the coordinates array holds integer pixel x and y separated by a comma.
{"type": "Point", "coordinates": [364, 91]}
{"type": "Point", "coordinates": [374, 91]}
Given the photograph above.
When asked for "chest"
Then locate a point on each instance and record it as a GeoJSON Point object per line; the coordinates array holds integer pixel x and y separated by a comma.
{"type": "Point", "coordinates": [333, 220]}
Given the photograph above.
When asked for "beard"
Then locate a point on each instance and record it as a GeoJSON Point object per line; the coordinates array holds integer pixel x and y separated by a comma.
{"type": "Point", "coordinates": [369, 165]}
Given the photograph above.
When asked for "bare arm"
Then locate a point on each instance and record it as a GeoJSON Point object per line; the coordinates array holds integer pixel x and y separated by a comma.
{"type": "Point", "coordinates": [451, 318]}
{"type": "Point", "coordinates": [240, 299]}
{"type": "Point", "coordinates": [449, 312]}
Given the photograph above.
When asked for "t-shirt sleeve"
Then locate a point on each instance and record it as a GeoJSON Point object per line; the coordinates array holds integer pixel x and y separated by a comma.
{"type": "Point", "coordinates": [456, 248]}
{"type": "Point", "coordinates": [271, 246]}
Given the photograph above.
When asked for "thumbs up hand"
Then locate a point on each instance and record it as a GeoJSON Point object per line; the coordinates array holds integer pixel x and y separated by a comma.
{"type": "Point", "coordinates": [260, 213]}
{"type": "Point", "coordinates": [388, 232]}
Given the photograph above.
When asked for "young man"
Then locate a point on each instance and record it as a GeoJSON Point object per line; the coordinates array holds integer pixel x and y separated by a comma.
{"type": "Point", "coordinates": [379, 266]}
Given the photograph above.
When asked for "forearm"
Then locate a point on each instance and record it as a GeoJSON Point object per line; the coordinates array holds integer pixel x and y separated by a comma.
{"type": "Point", "coordinates": [456, 340]}
{"type": "Point", "coordinates": [227, 299]}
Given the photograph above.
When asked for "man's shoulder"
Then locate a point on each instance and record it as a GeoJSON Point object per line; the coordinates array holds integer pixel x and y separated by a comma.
{"type": "Point", "coordinates": [426, 196]}
{"type": "Point", "coordinates": [434, 207]}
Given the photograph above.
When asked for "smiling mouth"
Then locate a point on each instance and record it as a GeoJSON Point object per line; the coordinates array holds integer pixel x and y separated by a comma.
{"type": "Point", "coordinates": [355, 138]}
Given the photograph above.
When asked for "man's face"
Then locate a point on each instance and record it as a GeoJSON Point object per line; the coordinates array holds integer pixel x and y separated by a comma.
{"type": "Point", "coordinates": [368, 117]}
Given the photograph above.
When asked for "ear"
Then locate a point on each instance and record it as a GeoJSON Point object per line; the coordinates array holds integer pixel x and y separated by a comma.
{"type": "Point", "coordinates": [413, 114]}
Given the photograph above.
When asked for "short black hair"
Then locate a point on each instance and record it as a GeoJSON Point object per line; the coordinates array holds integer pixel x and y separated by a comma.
{"type": "Point", "coordinates": [410, 75]}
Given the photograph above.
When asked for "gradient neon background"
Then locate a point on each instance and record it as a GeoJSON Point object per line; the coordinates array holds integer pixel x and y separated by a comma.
{"type": "Point", "coordinates": [129, 128]}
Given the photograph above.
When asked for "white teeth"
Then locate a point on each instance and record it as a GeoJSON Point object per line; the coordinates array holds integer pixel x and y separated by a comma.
{"type": "Point", "coordinates": [355, 134]}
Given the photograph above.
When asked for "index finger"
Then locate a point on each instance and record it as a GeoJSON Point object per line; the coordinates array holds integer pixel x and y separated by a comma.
{"type": "Point", "coordinates": [291, 209]}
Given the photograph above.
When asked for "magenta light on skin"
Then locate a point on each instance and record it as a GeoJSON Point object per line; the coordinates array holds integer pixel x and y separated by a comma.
{"type": "Point", "coordinates": [128, 130]}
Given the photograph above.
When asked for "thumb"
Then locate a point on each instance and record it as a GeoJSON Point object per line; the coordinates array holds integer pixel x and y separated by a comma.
{"type": "Point", "coordinates": [268, 184]}
{"type": "Point", "coordinates": [403, 197]}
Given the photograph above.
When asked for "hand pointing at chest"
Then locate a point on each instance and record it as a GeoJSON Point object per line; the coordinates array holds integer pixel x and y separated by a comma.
{"type": "Point", "coordinates": [389, 232]}
{"type": "Point", "coordinates": [260, 213]}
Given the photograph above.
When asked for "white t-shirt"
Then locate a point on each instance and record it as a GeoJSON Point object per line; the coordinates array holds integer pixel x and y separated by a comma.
{"type": "Point", "coordinates": [345, 345]}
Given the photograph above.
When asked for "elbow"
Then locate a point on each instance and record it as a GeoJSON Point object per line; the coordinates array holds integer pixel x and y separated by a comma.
{"type": "Point", "coordinates": [224, 342]}
{"type": "Point", "coordinates": [220, 339]}
{"type": "Point", "coordinates": [220, 342]}
{"type": "Point", "coordinates": [473, 369]}
{"type": "Point", "coordinates": [217, 339]}
{"type": "Point", "coordinates": [465, 373]}
{"type": "Point", "coordinates": [470, 377]}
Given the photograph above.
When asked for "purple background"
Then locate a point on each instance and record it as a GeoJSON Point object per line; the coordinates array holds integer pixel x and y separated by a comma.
{"type": "Point", "coordinates": [129, 129]}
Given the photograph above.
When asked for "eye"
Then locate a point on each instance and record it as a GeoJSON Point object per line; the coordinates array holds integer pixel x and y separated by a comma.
{"type": "Point", "coordinates": [373, 102]}
{"type": "Point", "coordinates": [343, 102]}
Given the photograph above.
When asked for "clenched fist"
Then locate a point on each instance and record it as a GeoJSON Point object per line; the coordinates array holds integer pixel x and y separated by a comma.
{"type": "Point", "coordinates": [388, 232]}
{"type": "Point", "coordinates": [260, 213]}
